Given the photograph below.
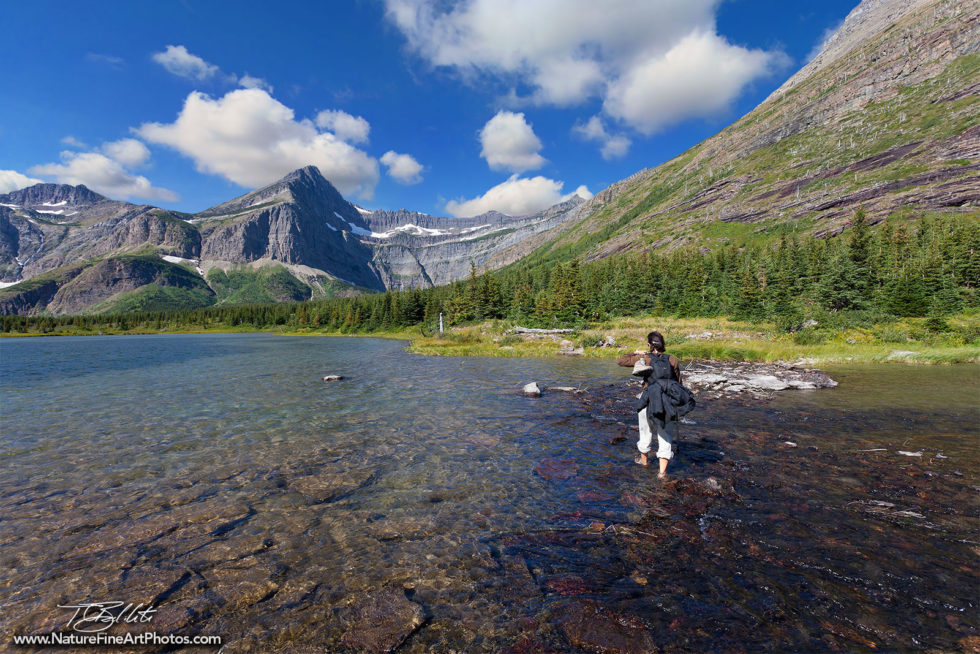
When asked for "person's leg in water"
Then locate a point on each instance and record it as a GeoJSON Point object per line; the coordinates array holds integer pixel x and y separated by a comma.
{"type": "Point", "coordinates": [665, 450]}
{"type": "Point", "coordinates": [646, 438]}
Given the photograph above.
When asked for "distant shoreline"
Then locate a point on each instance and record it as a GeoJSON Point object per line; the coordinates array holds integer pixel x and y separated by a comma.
{"type": "Point", "coordinates": [689, 339]}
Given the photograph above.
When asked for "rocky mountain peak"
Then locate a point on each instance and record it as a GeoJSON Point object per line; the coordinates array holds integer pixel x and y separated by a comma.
{"type": "Point", "coordinates": [308, 182]}
{"type": "Point", "coordinates": [306, 187]}
{"type": "Point", "coordinates": [865, 21]}
{"type": "Point", "coordinates": [52, 194]}
{"type": "Point", "coordinates": [306, 175]}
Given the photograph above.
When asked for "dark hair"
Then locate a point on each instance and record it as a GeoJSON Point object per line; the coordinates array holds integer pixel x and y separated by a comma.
{"type": "Point", "coordinates": [656, 341]}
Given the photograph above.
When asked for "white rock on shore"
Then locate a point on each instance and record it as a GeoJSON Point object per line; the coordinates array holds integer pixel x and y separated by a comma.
{"type": "Point", "coordinates": [717, 379]}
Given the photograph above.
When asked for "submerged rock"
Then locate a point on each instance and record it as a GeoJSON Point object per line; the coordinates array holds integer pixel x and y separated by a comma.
{"type": "Point", "coordinates": [380, 621]}
{"type": "Point", "coordinates": [591, 628]}
{"type": "Point", "coordinates": [483, 440]}
{"type": "Point", "coordinates": [551, 469]}
{"type": "Point", "coordinates": [330, 378]}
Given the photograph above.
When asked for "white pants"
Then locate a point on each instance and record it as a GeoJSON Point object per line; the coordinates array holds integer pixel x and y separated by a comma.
{"type": "Point", "coordinates": [664, 439]}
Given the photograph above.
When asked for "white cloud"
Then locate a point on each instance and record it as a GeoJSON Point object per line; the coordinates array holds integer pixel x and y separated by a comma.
{"type": "Point", "coordinates": [568, 51]}
{"type": "Point", "coordinates": [102, 174]}
{"type": "Point", "coordinates": [182, 63]}
{"type": "Point", "coordinates": [582, 191]}
{"type": "Point", "coordinates": [517, 196]}
{"type": "Point", "coordinates": [248, 82]}
{"type": "Point", "coordinates": [352, 129]}
{"type": "Point", "coordinates": [252, 139]}
{"type": "Point", "coordinates": [403, 167]}
{"type": "Point", "coordinates": [509, 143]}
{"type": "Point", "coordinates": [698, 77]}
{"type": "Point", "coordinates": [566, 81]}
{"type": "Point", "coordinates": [179, 61]}
{"type": "Point", "coordinates": [11, 180]}
{"type": "Point", "coordinates": [73, 142]}
{"type": "Point", "coordinates": [612, 146]}
{"type": "Point", "coordinates": [128, 152]}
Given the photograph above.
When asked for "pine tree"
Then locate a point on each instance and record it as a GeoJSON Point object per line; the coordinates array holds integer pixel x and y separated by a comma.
{"type": "Point", "coordinates": [859, 250]}
{"type": "Point", "coordinates": [491, 297]}
{"type": "Point", "coordinates": [906, 296]}
{"type": "Point", "coordinates": [522, 305]}
{"type": "Point", "coordinates": [838, 288]}
{"type": "Point", "coordinates": [748, 306]}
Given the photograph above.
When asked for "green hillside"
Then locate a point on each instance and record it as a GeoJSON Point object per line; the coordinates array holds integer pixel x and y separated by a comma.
{"type": "Point", "coordinates": [870, 130]}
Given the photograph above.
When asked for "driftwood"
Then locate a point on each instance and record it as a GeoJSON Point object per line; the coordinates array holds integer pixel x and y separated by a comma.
{"type": "Point", "coordinates": [532, 330]}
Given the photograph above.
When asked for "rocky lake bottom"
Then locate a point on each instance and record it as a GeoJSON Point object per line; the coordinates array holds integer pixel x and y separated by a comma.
{"type": "Point", "coordinates": [421, 504]}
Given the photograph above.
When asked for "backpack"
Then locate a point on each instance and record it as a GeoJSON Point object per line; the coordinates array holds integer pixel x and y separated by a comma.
{"type": "Point", "coordinates": [661, 366]}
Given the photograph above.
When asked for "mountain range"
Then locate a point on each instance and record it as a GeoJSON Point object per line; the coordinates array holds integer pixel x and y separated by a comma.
{"type": "Point", "coordinates": [884, 118]}
{"type": "Point", "coordinates": [65, 249]}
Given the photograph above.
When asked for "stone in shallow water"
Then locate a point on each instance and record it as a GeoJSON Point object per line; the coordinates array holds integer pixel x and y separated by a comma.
{"type": "Point", "coordinates": [178, 616]}
{"type": "Point", "coordinates": [532, 390]}
{"type": "Point", "coordinates": [530, 645]}
{"type": "Point", "coordinates": [593, 496]}
{"type": "Point", "coordinates": [328, 485]}
{"type": "Point", "coordinates": [710, 487]}
{"type": "Point", "coordinates": [554, 468]}
{"type": "Point", "coordinates": [243, 583]}
{"type": "Point", "coordinates": [483, 440]}
{"type": "Point", "coordinates": [569, 585]}
{"type": "Point", "coordinates": [380, 621]}
{"type": "Point", "coordinates": [594, 629]}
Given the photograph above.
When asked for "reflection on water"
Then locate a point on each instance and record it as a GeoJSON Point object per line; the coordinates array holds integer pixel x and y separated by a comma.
{"type": "Point", "coordinates": [219, 477]}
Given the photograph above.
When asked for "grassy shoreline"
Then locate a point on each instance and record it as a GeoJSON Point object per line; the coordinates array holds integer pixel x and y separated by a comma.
{"type": "Point", "coordinates": [904, 341]}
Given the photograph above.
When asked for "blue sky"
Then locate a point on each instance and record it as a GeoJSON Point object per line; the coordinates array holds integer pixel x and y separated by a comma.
{"type": "Point", "coordinates": [451, 108]}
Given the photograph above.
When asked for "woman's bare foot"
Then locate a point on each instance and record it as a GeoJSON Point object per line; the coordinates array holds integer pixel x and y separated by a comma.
{"type": "Point", "coordinates": [663, 469]}
{"type": "Point", "coordinates": [641, 459]}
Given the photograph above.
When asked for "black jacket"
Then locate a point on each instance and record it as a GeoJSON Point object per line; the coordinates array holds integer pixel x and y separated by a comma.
{"type": "Point", "coordinates": [665, 398]}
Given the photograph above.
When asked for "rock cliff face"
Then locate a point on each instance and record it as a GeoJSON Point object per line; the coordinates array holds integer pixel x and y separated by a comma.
{"type": "Point", "coordinates": [415, 250]}
{"type": "Point", "coordinates": [72, 239]}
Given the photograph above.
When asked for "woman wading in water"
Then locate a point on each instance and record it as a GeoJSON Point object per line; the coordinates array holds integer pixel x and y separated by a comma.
{"type": "Point", "coordinates": [665, 429]}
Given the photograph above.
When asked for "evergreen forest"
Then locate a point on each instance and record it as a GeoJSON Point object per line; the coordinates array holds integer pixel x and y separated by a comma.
{"type": "Point", "coordinates": [863, 276]}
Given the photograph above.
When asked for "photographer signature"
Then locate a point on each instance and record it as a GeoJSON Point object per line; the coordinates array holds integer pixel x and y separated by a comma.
{"type": "Point", "coordinates": [92, 617]}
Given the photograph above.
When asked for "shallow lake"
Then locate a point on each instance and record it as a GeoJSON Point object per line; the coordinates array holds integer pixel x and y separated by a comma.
{"type": "Point", "coordinates": [220, 479]}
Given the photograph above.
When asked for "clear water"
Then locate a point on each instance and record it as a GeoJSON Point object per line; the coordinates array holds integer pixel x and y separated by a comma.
{"type": "Point", "coordinates": [218, 477]}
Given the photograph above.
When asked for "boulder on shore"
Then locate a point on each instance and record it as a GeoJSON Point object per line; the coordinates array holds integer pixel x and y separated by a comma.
{"type": "Point", "coordinates": [713, 379]}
